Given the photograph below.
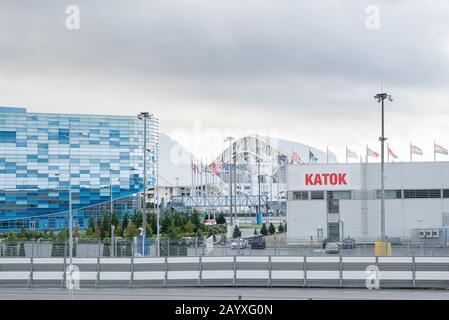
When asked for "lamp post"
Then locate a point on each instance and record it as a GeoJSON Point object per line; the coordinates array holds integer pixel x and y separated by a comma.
{"type": "Point", "coordinates": [380, 98]}
{"type": "Point", "coordinates": [230, 177]}
{"type": "Point", "coordinates": [342, 228]}
{"type": "Point", "coordinates": [144, 116]}
{"type": "Point", "coordinates": [71, 215]}
{"type": "Point", "coordinates": [110, 184]}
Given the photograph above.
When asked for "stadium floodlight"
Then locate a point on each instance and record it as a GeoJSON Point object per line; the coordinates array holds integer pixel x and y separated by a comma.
{"type": "Point", "coordinates": [380, 98]}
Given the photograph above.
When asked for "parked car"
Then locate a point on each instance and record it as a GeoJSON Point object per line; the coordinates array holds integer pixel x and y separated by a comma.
{"type": "Point", "coordinates": [332, 247]}
{"type": "Point", "coordinates": [238, 243]}
{"type": "Point", "coordinates": [200, 242]}
{"type": "Point", "coordinates": [258, 243]}
{"type": "Point", "coordinates": [348, 243]}
{"type": "Point", "coordinates": [223, 240]}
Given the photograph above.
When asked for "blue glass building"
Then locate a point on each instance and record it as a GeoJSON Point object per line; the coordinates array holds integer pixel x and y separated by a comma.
{"type": "Point", "coordinates": [104, 155]}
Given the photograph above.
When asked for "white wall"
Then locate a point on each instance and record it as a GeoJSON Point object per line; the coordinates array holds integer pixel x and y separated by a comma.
{"type": "Point", "coordinates": [402, 216]}
{"type": "Point", "coordinates": [303, 219]}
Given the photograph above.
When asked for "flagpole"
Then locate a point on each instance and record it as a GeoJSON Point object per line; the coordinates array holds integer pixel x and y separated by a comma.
{"type": "Point", "coordinates": [366, 152]}
{"type": "Point", "coordinates": [309, 154]}
{"type": "Point", "coordinates": [411, 159]}
{"type": "Point", "coordinates": [327, 154]}
{"type": "Point", "coordinates": [346, 154]}
{"type": "Point", "coordinates": [434, 153]}
{"type": "Point", "coordinates": [388, 153]}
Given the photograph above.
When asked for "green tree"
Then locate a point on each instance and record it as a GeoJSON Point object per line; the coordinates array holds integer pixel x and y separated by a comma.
{"type": "Point", "coordinates": [114, 220]}
{"type": "Point", "coordinates": [90, 233]}
{"type": "Point", "coordinates": [210, 233]}
{"type": "Point", "coordinates": [271, 228]}
{"type": "Point", "coordinates": [236, 233]}
{"type": "Point", "coordinates": [189, 227]}
{"type": "Point", "coordinates": [131, 231]}
{"type": "Point", "coordinates": [221, 219]}
{"type": "Point", "coordinates": [91, 223]}
{"type": "Point", "coordinates": [280, 228]}
{"type": "Point", "coordinates": [285, 227]}
{"type": "Point", "coordinates": [119, 231]}
{"type": "Point", "coordinates": [125, 221]}
{"type": "Point", "coordinates": [264, 230]}
{"type": "Point", "coordinates": [106, 223]}
{"type": "Point", "coordinates": [99, 229]}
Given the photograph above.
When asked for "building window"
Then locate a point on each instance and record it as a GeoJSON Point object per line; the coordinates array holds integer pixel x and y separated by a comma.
{"type": "Point", "coordinates": [342, 195]}
{"type": "Point", "coordinates": [317, 195]}
{"type": "Point", "coordinates": [445, 193]}
{"type": "Point", "coordinates": [390, 194]}
{"type": "Point", "coordinates": [300, 195]}
{"type": "Point", "coordinates": [422, 193]}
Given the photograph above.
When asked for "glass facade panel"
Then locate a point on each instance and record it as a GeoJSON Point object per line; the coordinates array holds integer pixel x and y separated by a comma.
{"type": "Point", "coordinates": [38, 151]}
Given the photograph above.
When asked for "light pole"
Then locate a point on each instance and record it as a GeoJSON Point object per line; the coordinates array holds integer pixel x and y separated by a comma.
{"type": "Point", "coordinates": [110, 184]}
{"type": "Point", "coordinates": [258, 185]}
{"type": "Point", "coordinates": [342, 228]}
{"type": "Point", "coordinates": [71, 215]}
{"type": "Point", "coordinates": [112, 240]}
{"type": "Point", "coordinates": [230, 177]}
{"type": "Point", "coordinates": [144, 116]}
{"type": "Point", "coordinates": [380, 97]}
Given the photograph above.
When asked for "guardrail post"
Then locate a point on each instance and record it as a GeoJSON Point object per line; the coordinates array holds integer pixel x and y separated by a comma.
{"type": "Point", "coordinates": [270, 266]}
{"type": "Point", "coordinates": [166, 271]}
{"type": "Point", "coordinates": [234, 279]}
{"type": "Point", "coordinates": [30, 279]}
{"type": "Point", "coordinates": [414, 271]}
{"type": "Point", "coordinates": [304, 267]}
{"type": "Point", "coordinates": [200, 277]}
{"type": "Point", "coordinates": [131, 280]}
{"type": "Point", "coordinates": [97, 282]}
{"type": "Point", "coordinates": [341, 270]}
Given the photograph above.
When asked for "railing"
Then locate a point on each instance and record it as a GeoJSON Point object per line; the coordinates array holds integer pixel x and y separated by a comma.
{"type": "Point", "coordinates": [267, 271]}
{"type": "Point", "coordinates": [185, 247]}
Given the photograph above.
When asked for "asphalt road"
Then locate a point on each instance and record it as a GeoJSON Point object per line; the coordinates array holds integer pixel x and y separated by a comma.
{"type": "Point", "coordinates": [220, 294]}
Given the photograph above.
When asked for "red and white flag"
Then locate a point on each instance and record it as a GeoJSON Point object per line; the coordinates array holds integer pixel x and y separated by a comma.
{"type": "Point", "coordinates": [439, 149]}
{"type": "Point", "coordinates": [415, 150]}
{"type": "Point", "coordinates": [296, 157]}
{"type": "Point", "coordinates": [214, 168]}
{"type": "Point", "coordinates": [391, 153]}
{"type": "Point", "coordinates": [371, 153]}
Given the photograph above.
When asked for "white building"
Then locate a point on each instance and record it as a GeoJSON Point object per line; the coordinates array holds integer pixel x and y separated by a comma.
{"type": "Point", "coordinates": [327, 200]}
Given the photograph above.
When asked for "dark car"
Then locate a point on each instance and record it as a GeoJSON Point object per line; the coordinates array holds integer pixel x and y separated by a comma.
{"type": "Point", "coordinates": [258, 243]}
{"type": "Point", "coordinates": [348, 243]}
{"type": "Point", "coordinates": [200, 242]}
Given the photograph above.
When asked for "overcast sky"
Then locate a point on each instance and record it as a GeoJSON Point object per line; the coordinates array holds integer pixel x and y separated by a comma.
{"type": "Point", "coordinates": [301, 70]}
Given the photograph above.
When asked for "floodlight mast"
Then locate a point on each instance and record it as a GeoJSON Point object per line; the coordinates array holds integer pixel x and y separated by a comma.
{"type": "Point", "coordinates": [380, 98]}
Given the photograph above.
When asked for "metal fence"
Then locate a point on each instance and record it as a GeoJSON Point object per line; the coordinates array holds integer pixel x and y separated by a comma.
{"type": "Point", "coordinates": [267, 271]}
{"type": "Point", "coordinates": [186, 247]}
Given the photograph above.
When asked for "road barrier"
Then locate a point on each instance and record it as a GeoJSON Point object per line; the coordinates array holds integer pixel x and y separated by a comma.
{"type": "Point", "coordinates": [267, 271]}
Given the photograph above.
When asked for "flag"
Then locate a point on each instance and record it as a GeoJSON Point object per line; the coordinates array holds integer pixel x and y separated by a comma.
{"type": "Point", "coordinates": [351, 154]}
{"type": "Point", "coordinates": [391, 153]}
{"type": "Point", "coordinates": [415, 150]}
{"type": "Point", "coordinates": [214, 168]}
{"type": "Point", "coordinates": [296, 157]}
{"type": "Point", "coordinates": [312, 157]}
{"type": "Point", "coordinates": [371, 153]}
{"type": "Point", "coordinates": [439, 149]}
{"type": "Point", "coordinates": [282, 159]}
{"type": "Point", "coordinates": [331, 156]}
